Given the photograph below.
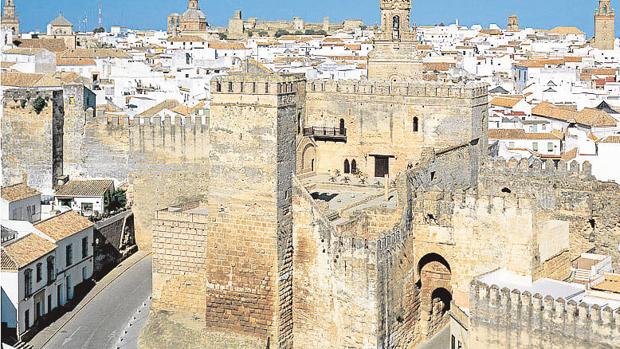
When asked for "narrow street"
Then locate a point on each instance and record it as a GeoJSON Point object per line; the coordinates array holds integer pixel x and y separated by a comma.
{"type": "Point", "coordinates": [101, 322]}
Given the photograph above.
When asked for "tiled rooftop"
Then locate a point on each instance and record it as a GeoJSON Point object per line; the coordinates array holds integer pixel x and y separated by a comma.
{"type": "Point", "coordinates": [85, 188]}
{"type": "Point", "coordinates": [64, 225]}
{"type": "Point", "coordinates": [18, 192]}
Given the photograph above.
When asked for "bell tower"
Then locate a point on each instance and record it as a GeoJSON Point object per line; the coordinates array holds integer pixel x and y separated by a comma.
{"type": "Point", "coordinates": [9, 19]}
{"type": "Point", "coordinates": [395, 56]}
{"type": "Point", "coordinates": [193, 4]}
{"type": "Point", "coordinates": [395, 20]}
{"type": "Point", "coordinates": [604, 21]}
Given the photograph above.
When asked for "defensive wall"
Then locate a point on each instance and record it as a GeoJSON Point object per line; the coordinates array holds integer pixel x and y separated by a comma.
{"type": "Point", "coordinates": [504, 318]}
{"type": "Point", "coordinates": [41, 133]}
{"type": "Point", "coordinates": [564, 191]}
{"type": "Point", "coordinates": [393, 119]}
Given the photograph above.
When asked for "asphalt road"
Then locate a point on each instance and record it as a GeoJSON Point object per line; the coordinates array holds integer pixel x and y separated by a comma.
{"type": "Point", "coordinates": [101, 323]}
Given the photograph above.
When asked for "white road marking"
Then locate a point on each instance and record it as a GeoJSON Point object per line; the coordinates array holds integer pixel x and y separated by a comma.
{"type": "Point", "coordinates": [68, 339]}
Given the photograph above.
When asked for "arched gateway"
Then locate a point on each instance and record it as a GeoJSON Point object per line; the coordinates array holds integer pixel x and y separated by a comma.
{"type": "Point", "coordinates": [434, 280]}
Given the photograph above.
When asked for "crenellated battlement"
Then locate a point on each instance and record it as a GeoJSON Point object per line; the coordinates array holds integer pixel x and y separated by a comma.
{"type": "Point", "coordinates": [436, 207]}
{"type": "Point", "coordinates": [523, 312]}
{"type": "Point", "coordinates": [124, 121]}
{"type": "Point", "coordinates": [267, 83]}
{"type": "Point", "coordinates": [537, 166]}
{"type": "Point", "coordinates": [412, 89]}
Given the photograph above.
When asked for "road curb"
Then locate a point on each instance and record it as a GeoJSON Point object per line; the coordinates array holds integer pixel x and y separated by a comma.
{"type": "Point", "coordinates": [90, 297]}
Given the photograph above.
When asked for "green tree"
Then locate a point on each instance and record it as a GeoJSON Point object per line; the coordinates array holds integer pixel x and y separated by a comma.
{"type": "Point", "coordinates": [39, 104]}
{"type": "Point", "coordinates": [118, 200]}
{"type": "Point", "coordinates": [99, 30]}
{"type": "Point", "coordinates": [281, 32]}
{"type": "Point", "coordinates": [223, 36]}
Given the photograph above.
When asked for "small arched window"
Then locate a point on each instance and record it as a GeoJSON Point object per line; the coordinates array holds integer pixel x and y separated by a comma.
{"type": "Point", "coordinates": [341, 127]}
{"type": "Point", "coordinates": [218, 86]}
{"type": "Point", "coordinates": [353, 166]}
{"type": "Point", "coordinates": [416, 124]}
{"type": "Point", "coordinates": [396, 27]}
{"type": "Point", "coordinates": [347, 166]}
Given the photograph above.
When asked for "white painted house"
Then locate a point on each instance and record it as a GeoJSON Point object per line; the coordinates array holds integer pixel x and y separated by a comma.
{"type": "Point", "coordinates": [516, 143]}
{"type": "Point", "coordinates": [42, 265]}
{"type": "Point", "coordinates": [30, 60]}
{"type": "Point", "coordinates": [88, 197]}
{"type": "Point", "coordinates": [21, 203]}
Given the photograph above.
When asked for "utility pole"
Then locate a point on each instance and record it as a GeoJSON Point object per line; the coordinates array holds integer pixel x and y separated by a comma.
{"type": "Point", "coordinates": [100, 14]}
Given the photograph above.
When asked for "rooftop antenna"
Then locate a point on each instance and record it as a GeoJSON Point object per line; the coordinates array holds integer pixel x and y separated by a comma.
{"type": "Point", "coordinates": [85, 23]}
{"type": "Point", "coordinates": [100, 14]}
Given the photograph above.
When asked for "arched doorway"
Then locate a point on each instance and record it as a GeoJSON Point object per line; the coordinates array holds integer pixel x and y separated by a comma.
{"type": "Point", "coordinates": [434, 281]}
{"type": "Point", "coordinates": [308, 158]}
{"type": "Point", "coordinates": [347, 166]}
{"type": "Point", "coordinates": [341, 128]}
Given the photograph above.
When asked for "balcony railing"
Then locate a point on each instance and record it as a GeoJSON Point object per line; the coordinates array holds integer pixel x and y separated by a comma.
{"type": "Point", "coordinates": [333, 134]}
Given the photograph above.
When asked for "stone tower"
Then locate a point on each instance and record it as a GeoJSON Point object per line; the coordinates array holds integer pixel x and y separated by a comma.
{"type": "Point", "coordinates": [395, 20]}
{"type": "Point", "coordinates": [604, 21]}
{"type": "Point", "coordinates": [193, 4]}
{"type": "Point", "coordinates": [249, 255]}
{"type": "Point", "coordinates": [513, 24]}
{"type": "Point", "coordinates": [10, 20]}
{"type": "Point", "coordinates": [235, 26]}
{"type": "Point", "coordinates": [395, 56]}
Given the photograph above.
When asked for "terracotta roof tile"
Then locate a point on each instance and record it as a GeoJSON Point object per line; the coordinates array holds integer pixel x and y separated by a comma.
{"type": "Point", "coordinates": [18, 192]}
{"type": "Point", "coordinates": [506, 101]}
{"type": "Point", "coordinates": [64, 225]}
{"type": "Point", "coordinates": [167, 104]}
{"type": "Point", "coordinates": [94, 53]}
{"type": "Point", "coordinates": [23, 51]}
{"type": "Point", "coordinates": [569, 155]}
{"type": "Point", "coordinates": [611, 139]}
{"type": "Point", "coordinates": [27, 250]}
{"type": "Point", "coordinates": [589, 117]}
{"type": "Point", "coordinates": [518, 134]}
{"type": "Point", "coordinates": [611, 283]}
{"type": "Point", "coordinates": [7, 263]}
{"type": "Point", "coordinates": [75, 61]}
{"type": "Point", "coordinates": [227, 45]}
{"type": "Point", "coordinates": [566, 31]}
{"type": "Point", "coordinates": [53, 45]}
{"type": "Point", "coordinates": [85, 188]}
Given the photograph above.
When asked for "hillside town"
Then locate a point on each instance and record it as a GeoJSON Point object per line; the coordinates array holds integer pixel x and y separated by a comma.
{"type": "Point", "coordinates": [298, 184]}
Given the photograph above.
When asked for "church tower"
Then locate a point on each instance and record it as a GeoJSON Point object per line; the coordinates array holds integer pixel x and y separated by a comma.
{"type": "Point", "coordinates": [513, 24]}
{"type": "Point", "coordinates": [193, 4]}
{"type": "Point", "coordinates": [395, 56]}
{"type": "Point", "coordinates": [9, 19]}
{"type": "Point", "coordinates": [604, 21]}
{"type": "Point", "coordinates": [395, 20]}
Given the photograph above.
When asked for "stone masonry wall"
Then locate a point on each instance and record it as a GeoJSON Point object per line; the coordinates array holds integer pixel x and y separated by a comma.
{"type": "Point", "coordinates": [41, 134]}
{"type": "Point", "coordinates": [379, 120]}
{"type": "Point", "coordinates": [565, 192]}
{"type": "Point", "coordinates": [510, 319]}
{"type": "Point", "coordinates": [335, 285]}
{"type": "Point", "coordinates": [179, 261]}
{"type": "Point", "coordinates": [252, 160]}
{"type": "Point", "coordinates": [165, 162]}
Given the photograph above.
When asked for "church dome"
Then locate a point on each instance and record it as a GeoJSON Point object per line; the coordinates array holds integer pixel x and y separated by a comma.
{"type": "Point", "coordinates": [61, 21]}
{"type": "Point", "coordinates": [194, 14]}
